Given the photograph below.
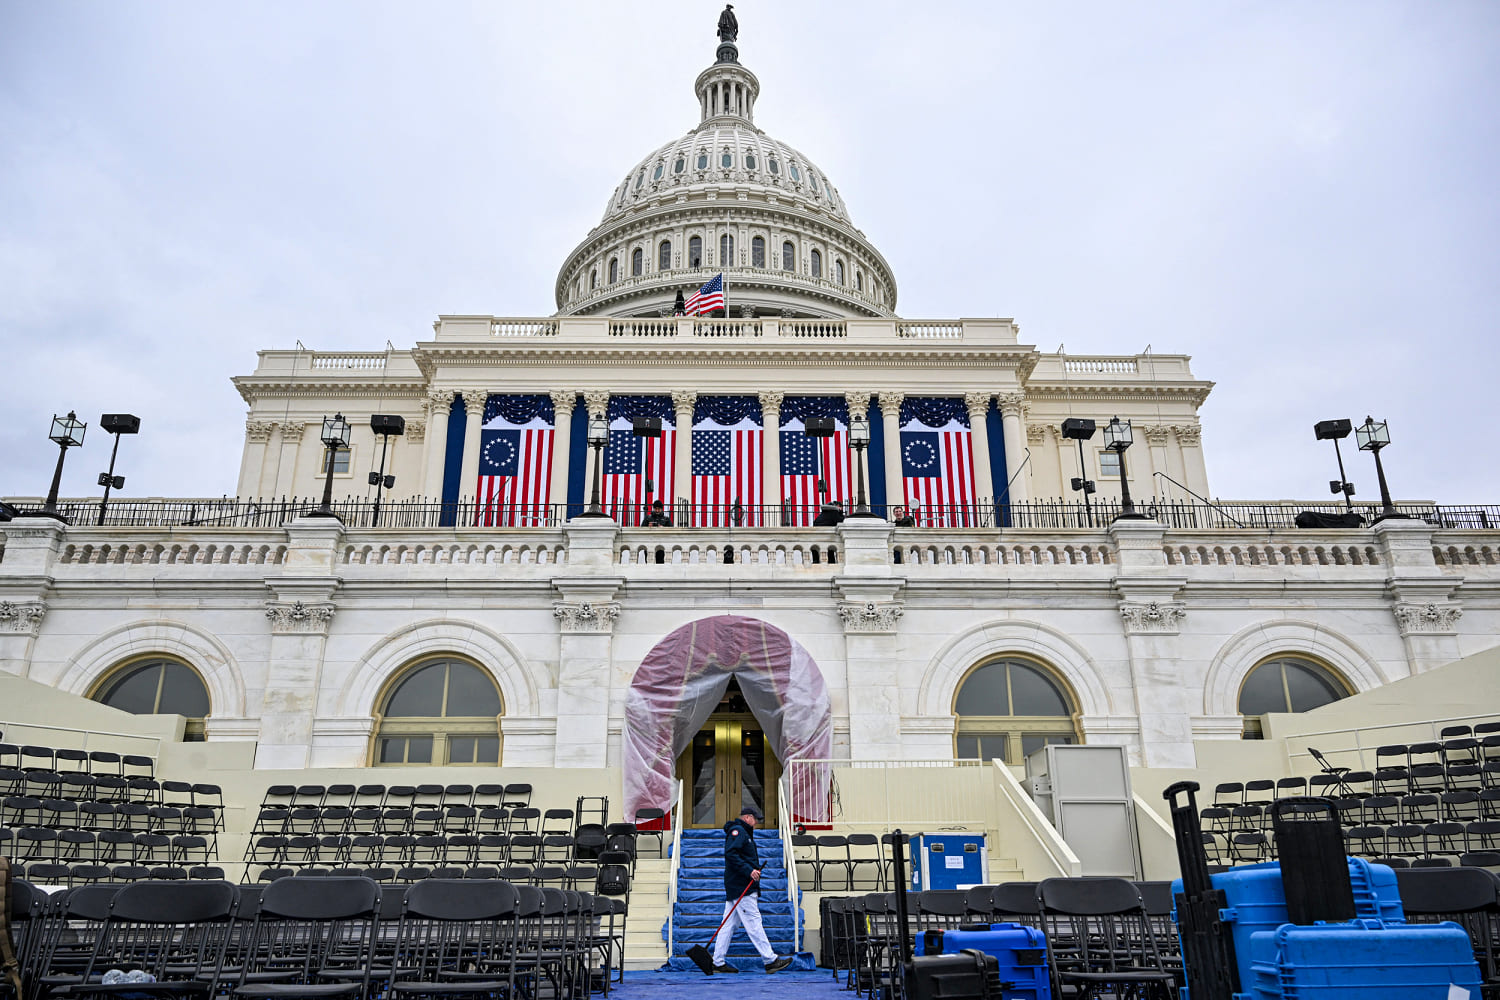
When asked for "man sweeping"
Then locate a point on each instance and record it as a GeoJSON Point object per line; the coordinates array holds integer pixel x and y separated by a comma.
{"type": "Point", "coordinates": [742, 882]}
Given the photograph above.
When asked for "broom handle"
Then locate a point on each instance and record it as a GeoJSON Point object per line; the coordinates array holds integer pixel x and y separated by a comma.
{"type": "Point", "coordinates": [736, 906]}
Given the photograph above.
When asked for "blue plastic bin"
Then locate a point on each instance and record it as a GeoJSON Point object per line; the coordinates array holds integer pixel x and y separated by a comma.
{"type": "Point", "coordinates": [1257, 903]}
{"type": "Point", "coordinates": [1021, 951]}
{"type": "Point", "coordinates": [1363, 960]}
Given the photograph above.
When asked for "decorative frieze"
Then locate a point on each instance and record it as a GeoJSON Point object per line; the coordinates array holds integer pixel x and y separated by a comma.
{"type": "Point", "coordinates": [1162, 617]}
{"type": "Point", "coordinates": [870, 616]}
{"type": "Point", "coordinates": [296, 617]}
{"type": "Point", "coordinates": [583, 616]}
{"type": "Point", "coordinates": [23, 618]}
{"type": "Point", "coordinates": [260, 431]}
{"type": "Point", "coordinates": [1431, 617]}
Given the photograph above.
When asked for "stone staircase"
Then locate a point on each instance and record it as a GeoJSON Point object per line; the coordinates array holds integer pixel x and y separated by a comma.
{"type": "Point", "coordinates": [700, 900]}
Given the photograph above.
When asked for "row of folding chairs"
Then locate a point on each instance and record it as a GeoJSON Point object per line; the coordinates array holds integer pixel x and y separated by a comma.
{"type": "Point", "coordinates": [377, 849]}
{"type": "Point", "coordinates": [848, 857]}
{"type": "Point", "coordinates": [1399, 780]}
{"type": "Point", "coordinates": [346, 936]}
{"type": "Point", "coordinates": [30, 757]}
{"type": "Point", "coordinates": [58, 873]}
{"type": "Point", "coordinates": [1095, 928]}
{"type": "Point", "coordinates": [1461, 806]}
{"type": "Point", "coordinates": [66, 814]}
{"type": "Point", "coordinates": [513, 795]}
{"type": "Point", "coordinates": [1412, 841]}
{"type": "Point", "coordinates": [109, 788]}
{"type": "Point", "coordinates": [584, 877]}
{"type": "Point", "coordinates": [407, 819]}
{"type": "Point", "coordinates": [105, 847]}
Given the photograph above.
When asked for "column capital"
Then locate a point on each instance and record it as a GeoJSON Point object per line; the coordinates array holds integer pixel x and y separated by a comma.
{"type": "Point", "coordinates": [870, 616]}
{"type": "Point", "coordinates": [416, 430]}
{"type": "Point", "coordinates": [684, 399]}
{"type": "Point", "coordinates": [22, 617]}
{"type": "Point", "coordinates": [1439, 617]}
{"type": "Point", "coordinates": [1036, 433]}
{"type": "Point", "coordinates": [585, 617]}
{"type": "Point", "coordinates": [260, 431]}
{"type": "Point", "coordinates": [1156, 433]}
{"type": "Point", "coordinates": [1188, 434]}
{"type": "Point", "coordinates": [859, 401]}
{"type": "Point", "coordinates": [596, 401]}
{"type": "Point", "coordinates": [770, 402]}
{"type": "Point", "coordinates": [890, 404]}
{"type": "Point", "coordinates": [474, 403]}
{"type": "Point", "coordinates": [1012, 404]}
{"type": "Point", "coordinates": [440, 398]}
{"type": "Point", "coordinates": [562, 398]}
{"type": "Point", "coordinates": [291, 618]}
{"type": "Point", "coordinates": [1152, 616]}
{"type": "Point", "coordinates": [977, 403]}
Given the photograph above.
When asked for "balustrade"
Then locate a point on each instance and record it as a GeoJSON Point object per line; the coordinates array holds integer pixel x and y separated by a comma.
{"type": "Point", "coordinates": [523, 328]}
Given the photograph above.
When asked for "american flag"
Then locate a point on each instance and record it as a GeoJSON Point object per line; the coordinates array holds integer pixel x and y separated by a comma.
{"type": "Point", "coordinates": [726, 470]}
{"type": "Point", "coordinates": [937, 470]}
{"type": "Point", "coordinates": [706, 299]}
{"type": "Point", "coordinates": [515, 472]}
{"type": "Point", "coordinates": [799, 469]}
{"type": "Point", "coordinates": [630, 461]}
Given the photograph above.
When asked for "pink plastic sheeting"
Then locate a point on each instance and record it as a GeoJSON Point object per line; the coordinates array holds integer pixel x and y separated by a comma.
{"type": "Point", "coordinates": [680, 683]}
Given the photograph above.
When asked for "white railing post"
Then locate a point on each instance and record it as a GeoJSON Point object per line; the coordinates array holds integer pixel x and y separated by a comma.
{"type": "Point", "coordinates": [676, 816]}
{"type": "Point", "coordinates": [789, 860]}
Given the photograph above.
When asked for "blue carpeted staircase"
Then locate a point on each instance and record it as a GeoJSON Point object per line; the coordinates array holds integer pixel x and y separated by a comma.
{"type": "Point", "coordinates": [700, 901]}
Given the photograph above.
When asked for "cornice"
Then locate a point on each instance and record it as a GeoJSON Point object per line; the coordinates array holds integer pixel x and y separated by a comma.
{"type": "Point", "coordinates": [253, 387]}
{"type": "Point", "coordinates": [1194, 392]}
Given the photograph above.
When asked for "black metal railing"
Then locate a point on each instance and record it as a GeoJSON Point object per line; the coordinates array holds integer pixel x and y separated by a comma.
{"type": "Point", "coordinates": [358, 512]}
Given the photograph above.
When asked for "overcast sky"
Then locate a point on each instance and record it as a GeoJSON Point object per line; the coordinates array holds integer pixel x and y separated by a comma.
{"type": "Point", "coordinates": [1302, 196]}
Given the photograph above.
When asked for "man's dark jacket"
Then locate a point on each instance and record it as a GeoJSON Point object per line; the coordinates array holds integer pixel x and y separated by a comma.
{"type": "Point", "coordinates": [740, 859]}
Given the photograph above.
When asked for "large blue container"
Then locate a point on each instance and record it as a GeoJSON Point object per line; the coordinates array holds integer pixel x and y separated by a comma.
{"type": "Point", "coordinates": [1020, 950]}
{"type": "Point", "coordinates": [947, 860]}
{"type": "Point", "coordinates": [1362, 960]}
{"type": "Point", "coordinates": [1257, 902]}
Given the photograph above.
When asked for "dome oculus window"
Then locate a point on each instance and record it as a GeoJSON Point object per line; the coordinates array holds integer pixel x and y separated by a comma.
{"type": "Point", "coordinates": [680, 165]}
{"type": "Point", "coordinates": [774, 165]}
{"type": "Point", "coordinates": [758, 252]}
{"type": "Point", "coordinates": [1008, 708]}
{"type": "Point", "coordinates": [439, 712]}
{"type": "Point", "coordinates": [640, 178]}
{"type": "Point", "coordinates": [726, 160]}
{"type": "Point", "coordinates": [158, 686]}
{"type": "Point", "coordinates": [791, 169]}
{"type": "Point", "coordinates": [703, 159]}
{"type": "Point", "coordinates": [1287, 684]}
{"type": "Point", "coordinates": [812, 181]}
{"type": "Point", "coordinates": [749, 161]}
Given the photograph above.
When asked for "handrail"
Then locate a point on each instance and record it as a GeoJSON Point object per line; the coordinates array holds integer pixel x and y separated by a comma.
{"type": "Point", "coordinates": [789, 861]}
{"type": "Point", "coordinates": [676, 814]}
{"type": "Point", "coordinates": [8, 726]}
{"type": "Point", "coordinates": [1200, 497]}
{"type": "Point", "coordinates": [1045, 834]}
{"type": "Point", "coordinates": [1359, 748]}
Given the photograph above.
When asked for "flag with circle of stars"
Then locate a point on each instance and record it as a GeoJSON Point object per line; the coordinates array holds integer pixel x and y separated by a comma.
{"type": "Point", "coordinates": [937, 464]}
{"type": "Point", "coordinates": [515, 464]}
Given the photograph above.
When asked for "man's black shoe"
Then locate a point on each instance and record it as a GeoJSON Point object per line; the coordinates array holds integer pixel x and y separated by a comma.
{"type": "Point", "coordinates": [721, 969]}
{"type": "Point", "coordinates": [779, 964]}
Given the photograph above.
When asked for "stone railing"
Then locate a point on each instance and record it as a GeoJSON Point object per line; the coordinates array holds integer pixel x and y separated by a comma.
{"type": "Point", "coordinates": [366, 360]}
{"type": "Point", "coordinates": [692, 277]}
{"type": "Point", "coordinates": [601, 330]}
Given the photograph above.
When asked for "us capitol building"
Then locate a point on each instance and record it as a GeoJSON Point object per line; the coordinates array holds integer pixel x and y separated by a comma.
{"type": "Point", "coordinates": [483, 616]}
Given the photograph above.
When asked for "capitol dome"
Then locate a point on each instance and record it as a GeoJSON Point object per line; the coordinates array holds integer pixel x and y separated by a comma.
{"type": "Point", "coordinates": [726, 198]}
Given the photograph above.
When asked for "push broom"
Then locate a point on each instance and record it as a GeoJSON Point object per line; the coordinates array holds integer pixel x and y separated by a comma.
{"type": "Point", "coordinates": [699, 953]}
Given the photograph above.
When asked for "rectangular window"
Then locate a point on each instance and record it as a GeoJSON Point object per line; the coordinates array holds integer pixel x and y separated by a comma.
{"type": "Point", "coordinates": [1109, 464]}
{"type": "Point", "coordinates": [340, 462]}
{"type": "Point", "coordinates": [1031, 742]}
{"type": "Point", "coordinates": [405, 750]}
{"type": "Point", "coordinates": [988, 746]}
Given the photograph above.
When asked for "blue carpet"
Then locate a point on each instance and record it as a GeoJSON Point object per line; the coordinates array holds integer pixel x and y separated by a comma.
{"type": "Point", "coordinates": [815, 985]}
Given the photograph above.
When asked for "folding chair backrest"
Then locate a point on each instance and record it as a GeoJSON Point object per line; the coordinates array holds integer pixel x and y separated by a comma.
{"type": "Point", "coordinates": [306, 921]}
{"type": "Point", "coordinates": [174, 930]}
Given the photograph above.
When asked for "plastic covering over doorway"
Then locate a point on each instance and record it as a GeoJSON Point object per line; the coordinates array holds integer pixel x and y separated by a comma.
{"type": "Point", "coordinates": [680, 683]}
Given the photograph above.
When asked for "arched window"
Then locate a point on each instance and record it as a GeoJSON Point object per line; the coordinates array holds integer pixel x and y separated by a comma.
{"type": "Point", "coordinates": [838, 271]}
{"type": "Point", "coordinates": [695, 252]}
{"type": "Point", "coordinates": [614, 270]}
{"type": "Point", "coordinates": [749, 161]}
{"type": "Point", "coordinates": [859, 281]}
{"type": "Point", "coordinates": [702, 159]}
{"type": "Point", "coordinates": [157, 686]}
{"type": "Point", "coordinates": [726, 250]}
{"type": "Point", "coordinates": [664, 256]}
{"type": "Point", "coordinates": [660, 169]}
{"type": "Point", "coordinates": [758, 252]}
{"type": "Point", "coordinates": [774, 165]}
{"type": "Point", "coordinates": [726, 160]}
{"type": "Point", "coordinates": [1287, 684]}
{"type": "Point", "coordinates": [680, 165]}
{"type": "Point", "coordinates": [593, 279]}
{"type": "Point", "coordinates": [637, 262]}
{"type": "Point", "coordinates": [1009, 707]}
{"type": "Point", "coordinates": [817, 264]}
{"type": "Point", "coordinates": [441, 711]}
{"type": "Point", "coordinates": [788, 256]}
{"type": "Point", "coordinates": [640, 178]}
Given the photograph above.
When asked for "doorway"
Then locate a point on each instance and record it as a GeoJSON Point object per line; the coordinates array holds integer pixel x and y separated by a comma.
{"type": "Point", "coordinates": [729, 766]}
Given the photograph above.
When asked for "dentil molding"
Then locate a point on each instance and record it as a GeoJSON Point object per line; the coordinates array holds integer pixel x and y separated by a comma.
{"type": "Point", "coordinates": [24, 618]}
{"type": "Point", "coordinates": [1428, 618]}
{"type": "Point", "coordinates": [1161, 617]}
{"type": "Point", "coordinates": [295, 618]}
{"type": "Point", "coordinates": [585, 617]}
{"type": "Point", "coordinates": [868, 616]}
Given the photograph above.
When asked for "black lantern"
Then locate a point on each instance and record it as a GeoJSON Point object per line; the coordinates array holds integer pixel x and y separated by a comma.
{"type": "Point", "coordinates": [859, 440]}
{"type": "Point", "coordinates": [1117, 438]}
{"type": "Point", "coordinates": [1373, 435]}
{"type": "Point", "coordinates": [67, 432]}
{"type": "Point", "coordinates": [598, 438]}
{"type": "Point", "coordinates": [336, 438]}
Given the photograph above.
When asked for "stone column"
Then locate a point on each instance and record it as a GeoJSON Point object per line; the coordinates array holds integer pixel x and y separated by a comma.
{"type": "Point", "coordinates": [1190, 437]}
{"type": "Point", "coordinates": [770, 414]}
{"type": "Point", "coordinates": [253, 461]}
{"type": "Point", "coordinates": [682, 473]}
{"type": "Point", "coordinates": [299, 611]}
{"type": "Point", "coordinates": [1158, 438]}
{"type": "Point", "coordinates": [1422, 594]}
{"type": "Point", "coordinates": [1151, 619]}
{"type": "Point", "coordinates": [586, 613]}
{"type": "Point", "coordinates": [265, 476]}
{"type": "Point", "coordinates": [890, 412]}
{"type": "Point", "coordinates": [1013, 424]}
{"type": "Point", "coordinates": [870, 614]}
{"type": "Point", "coordinates": [859, 402]}
{"type": "Point", "coordinates": [284, 482]}
{"type": "Point", "coordinates": [978, 405]}
{"type": "Point", "coordinates": [562, 444]}
{"type": "Point", "coordinates": [31, 548]}
{"type": "Point", "coordinates": [468, 480]}
{"type": "Point", "coordinates": [439, 403]}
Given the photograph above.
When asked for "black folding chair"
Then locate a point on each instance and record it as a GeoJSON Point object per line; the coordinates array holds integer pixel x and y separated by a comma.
{"type": "Point", "coordinates": [1100, 941]}
{"type": "Point", "coordinates": [457, 938]}
{"type": "Point", "coordinates": [1467, 897]}
{"type": "Point", "coordinates": [173, 931]}
{"type": "Point", "coordinates": [317, 935]}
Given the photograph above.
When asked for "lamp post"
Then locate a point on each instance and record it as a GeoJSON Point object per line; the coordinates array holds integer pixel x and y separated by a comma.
{"type": "Point", "coordinates": [1117, 438]}
{"type": "Point", "coordinates": [859, 440]}
{"type": "Point", "coordinates": [67, 432]}
{"type": "Point", "coordinates": [1373, 435]}
{"type": "Point", "coordinates": [1333, 430]}
{"type": "Point", "coordinates": [387, 426]}
{"type": "Point", "coordinates": [336, 437]}
{"type": "Point", "coordinates": [647, 427]}
{"type": "Point", "coordinates": [116, 424]}
{"type": "Point", "coordinates": [1081, 430]}
{"type": "Point", "coordinates": [598, 438]}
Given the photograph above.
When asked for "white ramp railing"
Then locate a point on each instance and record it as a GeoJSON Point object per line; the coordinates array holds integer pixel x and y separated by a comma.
{"type": "Point", "coordinates": [876, 796]}
{"type": "Point", "coordinates": [789, 861]}
{"type": "Point", "coordinates": [676, 820]}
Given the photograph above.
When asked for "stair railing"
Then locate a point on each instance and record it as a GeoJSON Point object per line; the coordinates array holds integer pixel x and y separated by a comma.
{"type": "Point", "coordinates": [676, 819]}
{"type": "Point", "coordinates": [789, 862]}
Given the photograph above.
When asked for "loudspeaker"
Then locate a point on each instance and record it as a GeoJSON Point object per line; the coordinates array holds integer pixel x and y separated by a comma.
{"type": "Point", "coordinates": [819, 427]}
{"type": "Point", "coordinates": [1078, 429]}
{"type": "Point", "coordinates": [387, 423]}
{"type": "Point", "coordinates": [120, 423]}
{"type": "Point", "coordinates": [644, 427]}
{"type": "Point", "coordinates": [1329, 430]}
